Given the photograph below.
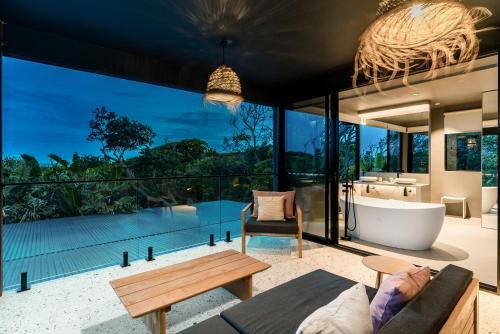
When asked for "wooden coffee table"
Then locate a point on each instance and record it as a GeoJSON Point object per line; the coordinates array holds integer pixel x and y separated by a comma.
{"type": "Point", "coordinates": [151, 294]}
{"type": "Point", "coordinates": [385, 265]}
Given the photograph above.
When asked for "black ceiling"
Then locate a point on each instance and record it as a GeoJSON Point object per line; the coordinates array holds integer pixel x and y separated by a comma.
{"type": "Point", "coordinates": [274, 42]}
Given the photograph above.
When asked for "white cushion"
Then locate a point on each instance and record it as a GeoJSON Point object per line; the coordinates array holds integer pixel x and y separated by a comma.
{"type": "Point", "coordinates": [346, 314]}
{"type": "Point", "coordinates": [271, 208]}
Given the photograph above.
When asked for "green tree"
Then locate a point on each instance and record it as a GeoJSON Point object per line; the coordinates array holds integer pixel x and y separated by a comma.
{"type": "Point", "coordinates": [251, 133]}
{"type": "Point", "coordinates": [118, 134]}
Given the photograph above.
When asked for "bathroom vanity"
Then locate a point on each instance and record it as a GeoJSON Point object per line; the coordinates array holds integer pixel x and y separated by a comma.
{"type": "Point", "coordinates": [416, 192]}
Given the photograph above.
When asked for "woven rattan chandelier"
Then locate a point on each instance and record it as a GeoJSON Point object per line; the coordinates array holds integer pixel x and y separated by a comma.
{"type": "Point", "coordinates": [224, 86]}
{"type": "Point", "coordinates": [409, 35]}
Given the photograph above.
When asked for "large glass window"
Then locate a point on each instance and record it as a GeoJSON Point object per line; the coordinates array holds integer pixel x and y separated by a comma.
{"type": "Point", "coordinates": [373, 149]}
{"type": "Point", "coordinates": [489, 156]}
{"type": "Point", "coordinates": [347, 150]}
{"type": "Point", "coordinates": [394, 151]}
{"type": "Point", "coordinates": [418, 159]}
{"type": "Point", "coordinates": [77, 147]}
{"type": "Point", "coordinates": [305, 149]}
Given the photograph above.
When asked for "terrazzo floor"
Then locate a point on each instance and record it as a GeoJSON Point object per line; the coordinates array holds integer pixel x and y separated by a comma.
{"type": "Point", "coordinates": [85, 303]}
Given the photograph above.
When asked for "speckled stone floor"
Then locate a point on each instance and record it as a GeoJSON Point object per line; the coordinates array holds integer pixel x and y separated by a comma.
{"type": "Point", "coordinates": [85, 303]}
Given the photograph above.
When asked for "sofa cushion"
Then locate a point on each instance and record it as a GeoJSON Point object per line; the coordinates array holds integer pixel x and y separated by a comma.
{"type": "Point", "coordinates": [395, 292]}
{"type": "Point", "coordinates": [283, 308]}
{"type": "Point", "coordinates": [289, 226]}
{"type": "Point", "coordinates": [429, 310]}
{"type": "Point", "coordinates": [349, 313]}
{"type": "Point", "coordinates": [212, 325]}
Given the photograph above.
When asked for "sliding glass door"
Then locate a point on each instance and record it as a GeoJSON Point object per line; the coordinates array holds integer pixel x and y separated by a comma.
{"type": "Point", "coordinates": [305, 161]}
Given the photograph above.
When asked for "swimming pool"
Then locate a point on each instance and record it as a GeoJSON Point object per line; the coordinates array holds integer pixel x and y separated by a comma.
{"type": "Point", "coordinates": [52, 248]}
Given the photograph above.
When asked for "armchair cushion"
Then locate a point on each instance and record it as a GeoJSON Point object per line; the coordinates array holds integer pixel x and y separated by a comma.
{"type": "Point", "coordinates": [271, 208]}
{"type": "Point", "coordinates": [289, 201]}
{"type": "Point", "coordinates": [289, 226]}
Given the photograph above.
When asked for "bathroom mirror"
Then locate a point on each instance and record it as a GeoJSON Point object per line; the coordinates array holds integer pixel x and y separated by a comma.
{"type": "Point", "coordinates": [463, 151]}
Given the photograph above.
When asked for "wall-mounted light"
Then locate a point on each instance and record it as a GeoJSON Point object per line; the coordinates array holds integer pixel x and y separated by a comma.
{"type": "Point", "coordinates": [406, 109]}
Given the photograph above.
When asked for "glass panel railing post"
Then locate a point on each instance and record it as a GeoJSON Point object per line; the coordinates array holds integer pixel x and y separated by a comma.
{"type": "Point", "coordinates": [220, 206]}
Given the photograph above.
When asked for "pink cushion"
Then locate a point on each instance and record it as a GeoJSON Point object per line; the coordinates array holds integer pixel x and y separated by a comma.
{"type": "Point", "coordinates": [289, 200]}
{"type": "Point", "coordinates": [395, 292]}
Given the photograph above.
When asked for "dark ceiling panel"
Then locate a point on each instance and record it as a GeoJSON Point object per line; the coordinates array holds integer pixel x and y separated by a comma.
{"type": "Point", "coordinates": [274, 42]}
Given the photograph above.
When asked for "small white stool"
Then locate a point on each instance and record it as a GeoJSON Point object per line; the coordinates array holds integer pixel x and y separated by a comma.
{"type": "Point", "coordinates": [456, 199]}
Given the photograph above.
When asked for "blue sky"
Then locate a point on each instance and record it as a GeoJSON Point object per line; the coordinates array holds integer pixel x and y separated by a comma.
{"type": "Point", "coordinates": [46, 109]}
{"type": "Point", "coordinates": [371, 135]}
{"type": "Point", "coordinates": [304, 132]}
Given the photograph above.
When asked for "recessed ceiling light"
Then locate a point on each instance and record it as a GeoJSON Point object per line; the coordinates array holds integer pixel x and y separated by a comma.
{"type": "Point", "coordinates": [415, 94]}
{"type": "Point", "coordinates": [437, 103]}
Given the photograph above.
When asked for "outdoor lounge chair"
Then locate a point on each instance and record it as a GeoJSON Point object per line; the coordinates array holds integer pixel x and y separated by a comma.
{"type": "Point", "coordinates": [292, 227]}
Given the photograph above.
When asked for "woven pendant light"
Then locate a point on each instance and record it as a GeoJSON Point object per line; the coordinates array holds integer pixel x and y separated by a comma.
{"type": "Point", "coordinates": [224, 85]}
{"type": "Point", "coordinates": [410, 34]}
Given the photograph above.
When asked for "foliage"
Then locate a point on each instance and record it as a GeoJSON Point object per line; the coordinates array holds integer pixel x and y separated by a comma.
{"type": "Point", "coordinates": [420, 153]}
{"type": "Point", "coordinates": [251, 133]}
{"type": "Point", "coordinates": [490, 160]}
{"type": "Point", "coordinates": [373, 157]}
{"type": "Point", "coordinates": [347, 151]}
{"type": "Point", "coordinates": [248, 150]}
{"type": "Point", "coordinates": [118, 134]}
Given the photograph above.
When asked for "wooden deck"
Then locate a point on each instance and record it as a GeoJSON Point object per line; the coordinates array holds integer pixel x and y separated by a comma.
{"type": "Point", "coordinates": [59, 247]}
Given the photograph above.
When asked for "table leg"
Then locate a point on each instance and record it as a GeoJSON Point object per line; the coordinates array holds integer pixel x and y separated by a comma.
{"type": "Point", "coordinates": [241, 288]}
{"type": "Point", "coordinates": [163, 322]}
{"type": "Point", "coordinates": [379, 279]}
{"type": "Point", "coordinates": [156, 322]}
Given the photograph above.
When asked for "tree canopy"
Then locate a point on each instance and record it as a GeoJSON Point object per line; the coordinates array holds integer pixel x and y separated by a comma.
{"type": "Point", "coordinates": [118, 134]}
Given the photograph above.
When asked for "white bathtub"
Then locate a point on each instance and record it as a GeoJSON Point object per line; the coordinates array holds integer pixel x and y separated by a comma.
{"type": "Point", "coordinates": [489, 199]}
{"type": "Point", "coordinates": [406, 225]}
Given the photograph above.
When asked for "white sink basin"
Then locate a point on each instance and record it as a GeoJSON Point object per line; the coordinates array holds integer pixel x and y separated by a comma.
{"type": "Point", "coordinates": [405, 180]}
{"type": "Point", "coordinates": [368, 178]}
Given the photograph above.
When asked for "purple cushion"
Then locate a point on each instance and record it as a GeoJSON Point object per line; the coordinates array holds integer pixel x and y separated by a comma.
{"type": "Point", "coordinates": [395, 292]}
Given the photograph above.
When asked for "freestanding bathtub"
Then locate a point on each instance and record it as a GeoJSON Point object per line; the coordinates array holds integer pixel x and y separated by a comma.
{"type": "Point", "coordinates": [406, 225]}
{"type": "Point", "coordinates": [489, 199]}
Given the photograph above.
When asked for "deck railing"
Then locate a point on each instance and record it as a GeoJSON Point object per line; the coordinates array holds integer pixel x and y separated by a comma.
{"type": "Point", "coordinates": [53, 229]}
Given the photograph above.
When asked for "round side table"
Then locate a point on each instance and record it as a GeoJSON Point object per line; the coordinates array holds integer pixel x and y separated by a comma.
{"type": "Point", "coordinates": [385, 265]}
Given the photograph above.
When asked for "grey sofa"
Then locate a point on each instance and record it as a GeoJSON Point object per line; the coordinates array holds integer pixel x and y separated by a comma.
{"type": "Point", "coordinates": [282, 309]}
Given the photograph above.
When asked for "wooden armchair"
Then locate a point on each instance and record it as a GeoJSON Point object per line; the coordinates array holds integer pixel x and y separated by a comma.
{"type": "Point", "coordinates": [292, 227]}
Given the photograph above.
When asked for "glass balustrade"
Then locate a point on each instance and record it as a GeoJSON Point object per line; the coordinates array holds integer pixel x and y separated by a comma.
{"type": "Point", "coordinates": [61, 228]}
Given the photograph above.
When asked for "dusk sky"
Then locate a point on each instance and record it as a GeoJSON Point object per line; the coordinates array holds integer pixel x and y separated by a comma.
{"type": "Point", "coordinates": [46, 109]}
{"type": "Point", "coordinates": [371, 135]}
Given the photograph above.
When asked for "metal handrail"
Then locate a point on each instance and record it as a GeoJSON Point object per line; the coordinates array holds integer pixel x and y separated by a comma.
{"type": "Point", "coordinates": [136, 179]}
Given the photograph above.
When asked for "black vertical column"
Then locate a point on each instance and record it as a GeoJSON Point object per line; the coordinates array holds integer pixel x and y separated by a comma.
{"type": "Point", "coordinates": [401, 144]}
{"type": "Point", "coordinates": [358, 152]}
{"type": "Point", "coordinates": [328, 155]}
{"type": "Point", "coordinates": [334, 167]}
{"type": "Point", "coordinates": [1, 157]}
{"type": "Point", "coordinates": [388, 155]}
{"type": "Point", "coordinates": [279, 148]}
{"type": "Point", "coordinates": [498, 191]}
